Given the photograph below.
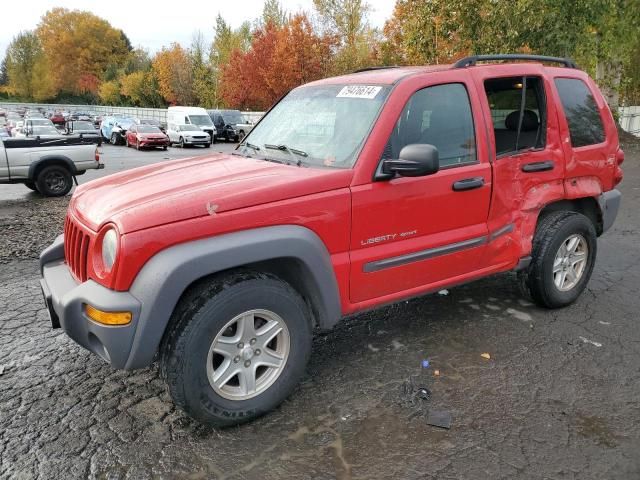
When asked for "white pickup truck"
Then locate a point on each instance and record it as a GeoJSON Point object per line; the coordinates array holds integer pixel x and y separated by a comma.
{"type": "Point", "coordinates": [47, 165]}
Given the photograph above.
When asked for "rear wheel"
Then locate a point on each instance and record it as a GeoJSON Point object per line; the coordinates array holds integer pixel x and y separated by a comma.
{"type": "Point", "coordinates": [236, 348]}
{"type": "Point", "coordinates": [563, 257]}
{"type": "Point", "coordinates": [54, 181]}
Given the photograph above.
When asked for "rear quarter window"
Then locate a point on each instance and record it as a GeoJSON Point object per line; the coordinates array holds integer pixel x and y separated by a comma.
{"type": "Point", "coordinates": [581, 111]}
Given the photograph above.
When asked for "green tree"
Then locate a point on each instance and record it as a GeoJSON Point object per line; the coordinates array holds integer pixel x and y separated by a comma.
{"type": "Point", "coordinates": [23, 53]}
{"type": "Point", "coordinates": [346, 21]}
{"type": "Point", "coordinates": [272, 12]}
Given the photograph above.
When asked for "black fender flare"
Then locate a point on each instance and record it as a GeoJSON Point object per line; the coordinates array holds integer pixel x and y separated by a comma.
{"type": "Point", "coordinates": [164, 278]}
{"type": "Point", "coordinates": [55, 159]}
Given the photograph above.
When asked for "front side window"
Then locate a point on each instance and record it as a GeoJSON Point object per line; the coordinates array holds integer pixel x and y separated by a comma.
{"type": "Point", "coordinates": [518, 113]}
{"type": "Point", "coordinates": [440, 116]}
{"type": "Point", "coordinates": [319, 126]}
{"type": "Point", "coordinates": [581, 110]}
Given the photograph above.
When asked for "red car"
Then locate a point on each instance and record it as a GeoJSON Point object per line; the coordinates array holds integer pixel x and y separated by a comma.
{"type": "Point", "coordinates": [146, 136]}
{"type": "Point", "coordinates": [58, 119]}
{"type": "Point", "coordinates": [351, 193]}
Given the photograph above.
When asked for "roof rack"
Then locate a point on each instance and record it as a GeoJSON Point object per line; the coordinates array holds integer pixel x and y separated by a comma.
{"type": "Point", "coordinates": [368, 69]}
{"type": "Point", "coordinates": [472, 60]}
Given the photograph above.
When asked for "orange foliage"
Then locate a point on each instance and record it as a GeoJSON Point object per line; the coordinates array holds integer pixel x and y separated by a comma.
{"type": "Point", "coordinates": [280, 58]}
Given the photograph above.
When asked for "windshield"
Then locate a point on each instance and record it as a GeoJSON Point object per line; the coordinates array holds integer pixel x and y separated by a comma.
{"type": "Point", "coordinates": [189, 128]}
{"type": "Point", "coordinates": [318, 126]}
{"type": "Point", "coordinates": [148, 129]}
{"type": "Point", "coordinates": [233, 118]}
{"type": "Point", "coordinates": [43, 131]}
{"type": "Point", "coordinates": [201, 120]}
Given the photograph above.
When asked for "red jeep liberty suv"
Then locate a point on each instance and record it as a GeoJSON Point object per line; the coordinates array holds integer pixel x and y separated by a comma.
{"type": "Point", "coordinates": [350, 193]}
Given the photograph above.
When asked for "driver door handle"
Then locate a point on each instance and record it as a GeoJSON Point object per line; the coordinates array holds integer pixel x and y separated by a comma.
{"type": "Point", "coordinates": [468, 184]}
{"type": "Point", "coordinates": [538, 166]}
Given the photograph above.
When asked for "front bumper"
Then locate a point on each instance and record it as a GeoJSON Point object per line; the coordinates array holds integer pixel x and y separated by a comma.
{"type": "Point", "coordinates": [66, 299]}
{"type": "Point", "coordinates": [609, 205]}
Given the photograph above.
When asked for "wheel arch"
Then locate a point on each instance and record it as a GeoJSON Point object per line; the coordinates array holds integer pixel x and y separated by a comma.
{"type": "Point", "coordinates": [48, 160]}
{"type": "Point", "coordinates": [293, 253]}
{"type": "Point", "coordinates": [587, 206]}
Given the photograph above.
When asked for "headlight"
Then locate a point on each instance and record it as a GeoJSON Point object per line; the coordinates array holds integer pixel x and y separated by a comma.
{"type": "Point", "coordinates": [109, 249]}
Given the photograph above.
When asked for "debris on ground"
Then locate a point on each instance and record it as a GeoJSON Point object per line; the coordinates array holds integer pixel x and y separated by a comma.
{"type": "Point", "coordinates": [586, 340]}
{"type": "Point", "coordinates": [436, 373]}
{"type": "Point", "coordinates": [424, 393]}
{"type": "Point", "coordinates": [439, 418]}
{"type": "Point", "coordinates": [443, 292]}
{"type": "Point", "coordinates": [485, 355]}
{"type": "Point", "coordinates": [1, 369]}
{"type": "Point", "coordinates": [425, 363]}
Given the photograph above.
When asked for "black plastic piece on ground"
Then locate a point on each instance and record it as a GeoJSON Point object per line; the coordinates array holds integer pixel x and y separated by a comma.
{"type": "Point", "coordinates": [439, 418]}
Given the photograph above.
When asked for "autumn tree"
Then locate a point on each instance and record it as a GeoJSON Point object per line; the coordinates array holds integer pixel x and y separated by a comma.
{"type": "Point", "coordinates": [141, 89]}
{"type": "Point", "coordinates": [280, 58]}
{"type": "Point", "coordinates": [78, 44]}
{"type": "Point", "coordinates": [225, 42]}
{"type": "Point", "coordinates": [173, 69]}
{"type": "Point", "coordinates": [109, 93]}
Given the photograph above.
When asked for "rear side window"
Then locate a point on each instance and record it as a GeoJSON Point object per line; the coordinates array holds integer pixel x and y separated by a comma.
{"type": "Point", "coordinates": [440, 116]}
{"type": "Point", "coordinates": [518, 112]}
{"type": "Point", "coordinates": [583, 116]}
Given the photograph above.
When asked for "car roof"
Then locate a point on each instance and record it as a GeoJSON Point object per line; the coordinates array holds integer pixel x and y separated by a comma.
{"type": "Point", "coordinates": [391, 75]}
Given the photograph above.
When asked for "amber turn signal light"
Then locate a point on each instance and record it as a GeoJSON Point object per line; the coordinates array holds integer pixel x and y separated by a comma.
{"type": "Point", "coordinates": [107, 318]}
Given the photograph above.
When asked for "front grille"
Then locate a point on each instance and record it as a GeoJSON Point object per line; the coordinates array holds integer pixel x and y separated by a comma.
{"type": "Point", "coordinates": [76, 247]}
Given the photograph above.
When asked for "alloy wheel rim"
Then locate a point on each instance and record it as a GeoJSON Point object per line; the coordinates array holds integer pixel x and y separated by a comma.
{"type": "Point", "coordinates": [55, 182]}
{"type": "Point", "coordinates": [248, 354]}
{"type": "Point", "coordinates": [570, 262]}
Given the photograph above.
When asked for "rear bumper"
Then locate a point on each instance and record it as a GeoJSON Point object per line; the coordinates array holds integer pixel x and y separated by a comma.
{"type": "Point", "coordinates": [609, 205]}
{"type": "Point", "coordinates": [66, 299]}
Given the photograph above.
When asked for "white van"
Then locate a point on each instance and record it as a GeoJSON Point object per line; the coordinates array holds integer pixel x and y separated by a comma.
{"type": "Point", "coordinates": [196, 116]}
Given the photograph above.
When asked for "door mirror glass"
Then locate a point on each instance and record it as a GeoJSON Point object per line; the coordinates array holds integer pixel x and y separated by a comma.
{"type": "Point", "coordinates": [416, 160]}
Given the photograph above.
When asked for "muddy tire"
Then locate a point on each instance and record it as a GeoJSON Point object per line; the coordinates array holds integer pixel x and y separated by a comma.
{"type": "Point", "coordinates": [562, 260]}
{"type": "Point", "coordinates": [54, 181]}
{"type": "Point", "coordinates": [236, 347]}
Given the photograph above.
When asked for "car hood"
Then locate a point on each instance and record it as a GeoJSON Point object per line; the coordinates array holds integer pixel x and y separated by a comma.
{"type": "Point", "coordinates": [182, 189]}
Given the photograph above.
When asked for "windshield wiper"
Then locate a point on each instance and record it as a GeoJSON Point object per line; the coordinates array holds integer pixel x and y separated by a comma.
{"type": "Point", "coordinates": [246, 145]}
{"type": "Point", "coordinates": [290, 151]}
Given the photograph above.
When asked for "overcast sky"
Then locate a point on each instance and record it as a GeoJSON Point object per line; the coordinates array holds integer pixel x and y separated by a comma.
{"type": "Point", "coordinates": [152, 24]}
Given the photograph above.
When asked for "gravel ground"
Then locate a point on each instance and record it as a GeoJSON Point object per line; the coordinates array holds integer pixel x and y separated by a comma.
{"type": "Point", "coordinates": [558, 398]}
{"type": "Point", "coordinates": [28, 226]}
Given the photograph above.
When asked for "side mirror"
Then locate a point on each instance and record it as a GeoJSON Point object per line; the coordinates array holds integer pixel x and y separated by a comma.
{"type": "Point", "coordinates": [416, 160]}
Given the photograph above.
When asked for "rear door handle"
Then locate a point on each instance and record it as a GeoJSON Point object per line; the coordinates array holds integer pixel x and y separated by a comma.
{"type": "Point", "coordinates": [538, 166]}
{"type": "Point", "coordinates": [468, 184]}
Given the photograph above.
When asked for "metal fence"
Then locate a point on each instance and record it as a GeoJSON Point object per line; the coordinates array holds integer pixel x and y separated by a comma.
{"type": "Point", "coordinates": [630, 119]}
{"type": "Point", "coordinates": [159, 114]}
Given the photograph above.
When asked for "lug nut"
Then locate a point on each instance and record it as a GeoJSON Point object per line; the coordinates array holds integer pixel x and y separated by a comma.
{"type": "Point", "coordinates": [241, 345]}
{"type": "Point", "coordinates": [247, 363]}
{"type": "Point", "coordinates": [257, 352]}
{"type": "Point", "coordinates": [236, 360]}
{"type": "Point", "coordinates": [253, 340]}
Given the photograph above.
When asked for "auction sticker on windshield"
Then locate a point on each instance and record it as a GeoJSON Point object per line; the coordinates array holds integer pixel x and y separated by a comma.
{"type": "Point", "coordinates": [359, 91]}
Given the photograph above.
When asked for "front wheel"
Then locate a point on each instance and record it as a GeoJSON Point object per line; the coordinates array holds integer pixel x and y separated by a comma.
{"type": "Point", "coordinates": [114, 139]}
{"type": "Point", "coordinates": [236, 348]}
{"type": "Point", "coordinates": [563, 257]}
{"type": "Point", "coordinates": [181, 142]}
